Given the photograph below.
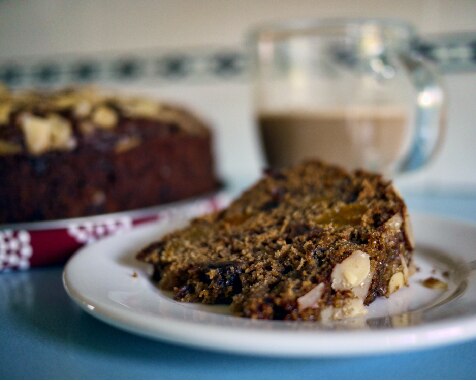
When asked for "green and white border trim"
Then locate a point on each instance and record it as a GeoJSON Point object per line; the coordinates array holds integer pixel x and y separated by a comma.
{"type": "Point", "coordinates": [451, 53]}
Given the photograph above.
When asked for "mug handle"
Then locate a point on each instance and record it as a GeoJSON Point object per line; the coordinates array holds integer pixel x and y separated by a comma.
{"type": "Point", "coordinates": [430, 113]}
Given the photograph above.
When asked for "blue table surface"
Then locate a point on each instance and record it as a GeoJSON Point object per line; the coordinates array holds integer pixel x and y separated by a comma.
{"type": "Point", "coordinates": [43, 334]}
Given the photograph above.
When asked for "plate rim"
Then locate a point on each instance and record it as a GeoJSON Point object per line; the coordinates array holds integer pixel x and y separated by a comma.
{"type": "Point", "coordinates": [63, 223]}
{"type": "Point", "coordinates": [395, 339]}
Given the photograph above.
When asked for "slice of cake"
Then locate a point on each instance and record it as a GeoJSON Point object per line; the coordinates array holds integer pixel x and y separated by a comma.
{"type": "Point", "coordinates": [307, 243]}
{"type": "Point", "coordinates": [78, 152]}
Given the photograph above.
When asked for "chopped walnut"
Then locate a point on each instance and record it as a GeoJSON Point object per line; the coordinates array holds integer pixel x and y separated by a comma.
{"type": "Point", "coordinates": [141, 108]}
{"type": "Point", "coordinates": [312, 298]}
{"type": "Point", "coordinates": [408, 230]}
{"type": "Point", "coordinates": [46, 134]}
{"type": "Point", "coordinates": [64, 101]}
{"type": "Point", "coordinates": [82, 109]}
{"type": "Point", "coordinates": [104, 117]}
{"type": "Point", "coordinates": [351, 272]}
{"type": "Point", "coordinates": [351, 308]}
{"type": "Point", "coordinates": [397, 281]}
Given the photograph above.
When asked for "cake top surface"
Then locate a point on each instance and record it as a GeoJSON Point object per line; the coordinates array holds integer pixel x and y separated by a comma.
{"type": "Point", "coordinates": [284, 237]}
{"type": "Point", "coordinates": [33, 122]}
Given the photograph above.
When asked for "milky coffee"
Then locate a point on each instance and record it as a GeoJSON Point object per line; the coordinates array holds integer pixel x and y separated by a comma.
{"type": "Point", "coordinates": [376, 139]}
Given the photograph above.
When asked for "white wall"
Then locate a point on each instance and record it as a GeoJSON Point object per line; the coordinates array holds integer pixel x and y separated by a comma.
{"type": "Point", "coordinates": [48, 27]}
{"type": "Point", "coordinates": [54, 26]}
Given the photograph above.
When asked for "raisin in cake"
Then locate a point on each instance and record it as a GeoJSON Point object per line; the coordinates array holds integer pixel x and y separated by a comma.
{"type": "Point", "coordinates": [307, 243]}
{"type": "Point", "coordinates": [80, 152]}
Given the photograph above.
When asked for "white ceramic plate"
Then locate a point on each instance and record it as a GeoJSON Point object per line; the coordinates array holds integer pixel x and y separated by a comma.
{"type": "Point", "coordinates": [107, 282]}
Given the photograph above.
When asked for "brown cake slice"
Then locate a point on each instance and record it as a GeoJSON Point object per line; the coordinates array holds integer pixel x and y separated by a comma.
{"type": "Point", "coordinates": [307, 243]}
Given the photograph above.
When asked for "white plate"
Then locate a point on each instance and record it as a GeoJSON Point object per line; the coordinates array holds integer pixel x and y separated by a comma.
{"type": "Point", "coordinates": [107, 282]}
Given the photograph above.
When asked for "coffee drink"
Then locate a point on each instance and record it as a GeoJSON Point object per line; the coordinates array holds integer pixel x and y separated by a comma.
{"type": "Point", "coordinates": [372, 138]}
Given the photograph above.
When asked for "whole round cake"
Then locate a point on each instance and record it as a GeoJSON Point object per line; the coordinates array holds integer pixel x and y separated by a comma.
{"type": "Point", "coordinates": [79, 152]}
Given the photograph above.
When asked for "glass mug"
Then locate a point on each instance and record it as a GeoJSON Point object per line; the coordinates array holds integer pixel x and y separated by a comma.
{"type": "Point", "coordinates": [350, 92]}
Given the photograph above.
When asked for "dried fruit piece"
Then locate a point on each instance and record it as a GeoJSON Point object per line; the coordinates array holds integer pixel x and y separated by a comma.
{"type": "Point", "coordinates": [435, 284]}
{"type": "Point", "coordinates": [127, 143]}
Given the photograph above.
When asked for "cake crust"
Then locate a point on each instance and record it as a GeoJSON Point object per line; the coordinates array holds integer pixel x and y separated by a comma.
{"type": "Point", "coordinates": [312, 242]}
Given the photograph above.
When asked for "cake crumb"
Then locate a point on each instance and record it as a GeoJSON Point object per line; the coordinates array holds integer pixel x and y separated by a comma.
{"type": "Point", "coordinates": [446, 274]}
{"type": "Point", "coordinates": [434, 283]}
{"type": "Point", "coordinates": [134, 275]}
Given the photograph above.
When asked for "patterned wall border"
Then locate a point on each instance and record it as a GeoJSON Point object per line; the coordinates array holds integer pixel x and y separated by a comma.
{"type": "Point", "coordinates": [169, 66]}
{"type": "Point", "coordinates": [453, 53]}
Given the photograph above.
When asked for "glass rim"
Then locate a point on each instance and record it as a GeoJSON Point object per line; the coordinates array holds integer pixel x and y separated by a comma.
{"type": "Point", "coordinates": [296, 26]}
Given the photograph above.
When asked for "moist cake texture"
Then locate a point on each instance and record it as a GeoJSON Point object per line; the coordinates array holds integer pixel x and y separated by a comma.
{"type": "Point", "coordinates": [312, 242]}
{"type": "Point", "coordinates": [78, 152]}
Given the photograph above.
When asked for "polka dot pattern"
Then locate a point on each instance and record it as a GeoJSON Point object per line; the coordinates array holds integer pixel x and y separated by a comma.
{"type": "Point", "coordinates": [15, 249]}
{"type": "Point", "coordinates": [90, 232]}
